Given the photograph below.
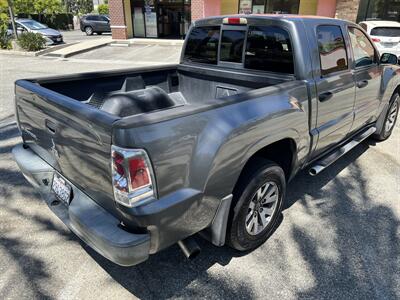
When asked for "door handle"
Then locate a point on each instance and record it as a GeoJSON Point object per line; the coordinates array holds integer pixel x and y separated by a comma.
{"type": "Point", "coordinates": [325, 96]}
{"type": "Point", "coordinates": [51, 127]}
{"type": "Point", "coordinates": [362, 83]}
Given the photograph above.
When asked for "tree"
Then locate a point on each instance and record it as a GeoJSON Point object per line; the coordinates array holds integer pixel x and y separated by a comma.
{"type": "Point", "coordinates": [103, 9]}
{"type": "Point", "coordinates": [79, 6]}
{"type": "Point", "coordinates": [37, 6]}
{"type": "Point", "coordinates": [24, 7]}
{"type": "Point", "coordinates": [47, 7]}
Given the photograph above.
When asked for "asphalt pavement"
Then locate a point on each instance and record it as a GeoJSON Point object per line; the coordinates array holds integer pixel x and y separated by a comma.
{"type": "Point", "coordinates": [72, 36]}
{"type": "Point", "coordinates": [339, 236]}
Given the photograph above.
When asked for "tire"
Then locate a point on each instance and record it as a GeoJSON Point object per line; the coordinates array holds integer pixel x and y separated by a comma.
{"type": "Point", "coordinates": [259, 179]}
{"type": "Point", "coordinates": [88, 30]}
{"type": "Point", "coordinates": [390, 119]}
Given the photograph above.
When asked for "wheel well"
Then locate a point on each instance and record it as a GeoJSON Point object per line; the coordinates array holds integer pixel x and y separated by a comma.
{"type": "Point", "coordinates": [281, 152]}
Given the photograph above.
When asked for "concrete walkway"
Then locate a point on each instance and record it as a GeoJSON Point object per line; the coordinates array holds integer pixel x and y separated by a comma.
{"type": "Point", "coordinates": [93, 44]}
{"type": "Point", "coordinates": [80, 47]}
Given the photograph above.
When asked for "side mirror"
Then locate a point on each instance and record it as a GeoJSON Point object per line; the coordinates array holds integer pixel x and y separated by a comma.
{"type": "Point", "coordinates": [389, 58]}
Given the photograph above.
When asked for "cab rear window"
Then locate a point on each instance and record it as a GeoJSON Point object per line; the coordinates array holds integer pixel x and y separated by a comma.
{"type": "Point", "coordinates": [202, 45]}
{"type": "Point", "coordinates": [266, 48]}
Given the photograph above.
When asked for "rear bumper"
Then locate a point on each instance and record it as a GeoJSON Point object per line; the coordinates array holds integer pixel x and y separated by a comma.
{"type": "Point", "coordinates": [89, 221]}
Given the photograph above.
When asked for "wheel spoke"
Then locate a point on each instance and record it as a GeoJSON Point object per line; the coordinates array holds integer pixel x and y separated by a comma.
{"type": "Point", "coordinates": [249, 215]}
{"type": "Point", "coordinates": [264, 220]}
{"type": "Point", "coordinates": [262, 190]}
{"type": "Point", "coordinates": [250, 225]}
{"type": "Point", "coordinates": [255, 229]}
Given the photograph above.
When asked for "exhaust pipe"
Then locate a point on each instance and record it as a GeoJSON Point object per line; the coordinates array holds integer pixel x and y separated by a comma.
{"type": "Point", "coordinates": [189, 247]}
{"type": "Point", "coordinates": [315, 170]}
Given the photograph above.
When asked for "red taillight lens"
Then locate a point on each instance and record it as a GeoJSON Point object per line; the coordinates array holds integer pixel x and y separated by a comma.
{"type": "Point", "coordinates": [376, 40]}
{"type": "Point", "coordinates": [139, 173]}
{"type": "Point", "coordinates": [132, 176]}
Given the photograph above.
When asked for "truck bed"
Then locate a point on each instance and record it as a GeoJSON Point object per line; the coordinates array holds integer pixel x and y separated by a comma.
{"type": "Point", "coordinates": [119, 93]}
{"type": "Point", "coordinates": [69, 121]}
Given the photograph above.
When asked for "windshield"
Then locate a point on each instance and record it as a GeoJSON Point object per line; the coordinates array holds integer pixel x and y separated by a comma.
{"type": "Point", "coordinates": [386, 31]}
{"type": "Point", "coordinates": [31, 24]}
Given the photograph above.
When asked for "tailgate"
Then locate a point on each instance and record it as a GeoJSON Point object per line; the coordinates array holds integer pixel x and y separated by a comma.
{"type": "Point", "coordinates": [72, 137]}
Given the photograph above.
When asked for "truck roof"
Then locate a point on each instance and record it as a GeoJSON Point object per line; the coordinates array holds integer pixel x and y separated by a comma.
{"type": "Point", "coordinates": [288, 17]}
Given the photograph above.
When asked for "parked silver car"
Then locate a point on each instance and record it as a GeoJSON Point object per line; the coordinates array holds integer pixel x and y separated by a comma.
{"type": "Point", "coordinates": [52, 36]}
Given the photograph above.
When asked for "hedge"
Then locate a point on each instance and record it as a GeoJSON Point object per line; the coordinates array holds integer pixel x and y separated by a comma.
{"type": "Point", "coordinates": [61, 21]}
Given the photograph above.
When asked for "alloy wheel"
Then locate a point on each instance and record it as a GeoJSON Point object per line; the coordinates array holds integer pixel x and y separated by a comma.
{"type": "Point", "coordinates": [391, 118]}
{"type": "Point", "coordinates": [261, 208]}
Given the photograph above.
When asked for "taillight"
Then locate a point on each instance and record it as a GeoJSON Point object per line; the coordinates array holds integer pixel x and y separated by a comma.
{"type": "Point", "coordinates": [132, 176]}
{"type": "Point", "coordinates": [376, 40]}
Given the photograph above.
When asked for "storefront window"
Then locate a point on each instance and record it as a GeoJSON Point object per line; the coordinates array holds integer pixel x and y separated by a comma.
{"type": "Point", "coordinates": [379, 10]}
{"type": "Point", "coordinates": [161, 18]}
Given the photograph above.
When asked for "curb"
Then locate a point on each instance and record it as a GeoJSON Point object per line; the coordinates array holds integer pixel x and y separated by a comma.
{"type": "Point", "coordinates": [36, 53]}
{"type": "Point", "coordinates": [146, 41]}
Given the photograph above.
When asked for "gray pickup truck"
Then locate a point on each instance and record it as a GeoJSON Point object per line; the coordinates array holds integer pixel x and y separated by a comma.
{"type": "Point", "coordinates": [137, 160]}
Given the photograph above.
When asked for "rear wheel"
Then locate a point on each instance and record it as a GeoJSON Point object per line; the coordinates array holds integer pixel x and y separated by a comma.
{"type": "Point", "coordinates": [258, 203]}
{"type": "Point", "coordinates": [390, 120]}
{"type": "Point", "coordinates": [88, 30]}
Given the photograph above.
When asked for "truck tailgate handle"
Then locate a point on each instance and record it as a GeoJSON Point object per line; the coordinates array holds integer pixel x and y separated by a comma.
{"type": "Point", "coordinates": [325, 96]}
{"type": "Point", "coordinates": [51, 127]}
{"type": "Point", "coordinates": [362, 83]}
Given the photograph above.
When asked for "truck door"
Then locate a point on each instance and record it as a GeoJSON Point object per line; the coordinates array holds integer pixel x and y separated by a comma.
{"type": "Point", "coordinates": [367, 77]}
{"type": "Point", "coordinates": [335, 88]}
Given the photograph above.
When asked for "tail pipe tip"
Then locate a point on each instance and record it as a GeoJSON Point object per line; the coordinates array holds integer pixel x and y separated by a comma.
{"type": "Point", "coordinates": [189, 247]}
{"type": "Point", "coordinates": [315, 170]}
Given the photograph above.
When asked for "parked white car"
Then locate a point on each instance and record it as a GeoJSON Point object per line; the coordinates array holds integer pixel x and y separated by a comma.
{"type": "Point", "coordinates": [385, 35]}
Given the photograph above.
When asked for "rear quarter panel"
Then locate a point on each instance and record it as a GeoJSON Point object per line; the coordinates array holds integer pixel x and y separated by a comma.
{"type": "Point", "coordinates": [206, 151]}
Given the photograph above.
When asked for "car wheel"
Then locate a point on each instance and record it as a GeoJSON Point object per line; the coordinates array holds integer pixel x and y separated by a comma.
{"type": "Point", "coordinates": [390, 119]}
{"type": "Point", "coordinates": [88, 30]}
{"type": "Point", "coordinates": [257, 200]}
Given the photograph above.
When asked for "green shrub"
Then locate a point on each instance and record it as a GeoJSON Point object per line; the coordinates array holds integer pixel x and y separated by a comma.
{"type": "Point", "coordinates": [102, 9]}
{"type": "Point", "coordinates": [5, 40]}
{"type": "Point", "coordinates": [31, 41]}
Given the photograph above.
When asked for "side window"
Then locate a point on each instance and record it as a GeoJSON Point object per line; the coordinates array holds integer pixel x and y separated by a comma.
{"type": "Point", "coordinates": [202, 45]}
{"type": "Point", "coordinates": [269, 49]}
{"type": "Point", "coordinates": [332, 49]}
{"type": "Point", "coordinates": [363, 51]}
{"type": "Point", "coordinates": [90, 18]}
{"type": "Point", "coordinates": [232, 45]}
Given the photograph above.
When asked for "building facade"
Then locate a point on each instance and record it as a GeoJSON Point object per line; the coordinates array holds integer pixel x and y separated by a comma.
{"type": "Point", "coordinates": [172, 18]}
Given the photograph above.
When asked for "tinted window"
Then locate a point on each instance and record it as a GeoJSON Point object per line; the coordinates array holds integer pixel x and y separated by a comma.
{"type": "Point", "coordinates": [92, 18]}
{"type": "Point", "coordinates": [202, 45]}
{"type": "Point", "coordinates": [269, 49]}
{"type": "Point", "coordinates": [363, 51]}
{"type": "Point", "coordinates": [332, 50]}
{"type": "Point", "coordinates": [232, 45]}
{"type": "Point", "coordinates": [386, 31]}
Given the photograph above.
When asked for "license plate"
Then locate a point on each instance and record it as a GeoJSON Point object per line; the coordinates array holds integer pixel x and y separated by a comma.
{"type": "Point", "coordinates": [61, 189]}
{"type": "Point", "coordinates": [388, 45]}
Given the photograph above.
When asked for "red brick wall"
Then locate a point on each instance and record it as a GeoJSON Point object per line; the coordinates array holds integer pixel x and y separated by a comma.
{"type": "Point", "coordinates": [205, 8]}
{"type": "Point", "coordinates": [117, 16]}
{"type": "Point", "coordinates": [347, 9]}
{"type": "Point", "coordinates": [197, 9]}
